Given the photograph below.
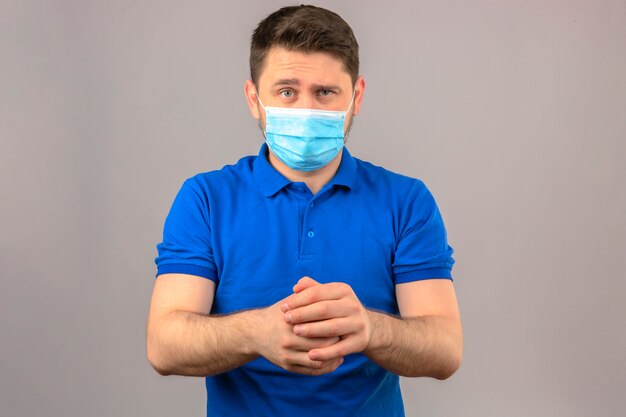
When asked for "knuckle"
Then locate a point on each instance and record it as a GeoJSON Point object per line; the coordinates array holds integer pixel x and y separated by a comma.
{"type": "Point", "coordinates": [345, 288]}
{"type": "Point", "coordinates": [283, 358]}
{"type": "Point", "coordinates": [333, 329]}
{"type": "Point", "coordinates": [323, 310]}
{"type": "Point", "coordinates": [313, 296]}
{"type": "Point", "coordinates": [285, 342]}
{"type": "Point", "coordinates": [329, 341]}
{"type": "Point", "coordinates": [318, 372]}
{"type": "Point", "coordinates": [303, 331]}
{"type": "Point", "coordinates": [341, 351]}
{"type": "Point", "coordinates": [296, 315]}
{"type": "Point", "coordinates": [353, 308]}
{"type": "Point", "coordinates": [360, 326]}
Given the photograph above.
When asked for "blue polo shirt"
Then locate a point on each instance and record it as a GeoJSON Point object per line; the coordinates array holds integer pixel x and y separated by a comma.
{"type": "Point", "coordinates": [255, 233]}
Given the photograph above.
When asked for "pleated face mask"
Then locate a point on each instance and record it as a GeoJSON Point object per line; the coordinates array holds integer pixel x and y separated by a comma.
{"type": "Point", "coordinates": [304, 139]}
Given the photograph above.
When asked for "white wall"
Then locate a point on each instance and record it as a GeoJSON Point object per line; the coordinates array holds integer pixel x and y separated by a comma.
{"type": "Point", "coordinates": [512, 112]}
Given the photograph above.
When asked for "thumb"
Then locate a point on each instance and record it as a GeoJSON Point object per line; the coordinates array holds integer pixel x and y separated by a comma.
{"type": "Point", "coordinates": [304, 283]}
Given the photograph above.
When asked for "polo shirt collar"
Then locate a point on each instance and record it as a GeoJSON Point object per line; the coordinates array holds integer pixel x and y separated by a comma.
{"type": "Point", "coordinates": [267, 178]}
{"type": "Point", "coordinates": [346, 174]}
{"type": "Point", "coordinates": [271, 181]}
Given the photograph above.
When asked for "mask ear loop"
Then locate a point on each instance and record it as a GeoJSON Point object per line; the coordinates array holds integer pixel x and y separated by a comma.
{"type": "Point", "coordinates": [261, 103]}
{"type": "Point", "coordinates": [259, 100]}
{"type": "Point", "coordinates": [351, 101]}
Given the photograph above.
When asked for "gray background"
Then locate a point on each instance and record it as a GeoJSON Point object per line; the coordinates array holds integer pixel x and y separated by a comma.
{"type": "Point", "coordinates": [513, 113]}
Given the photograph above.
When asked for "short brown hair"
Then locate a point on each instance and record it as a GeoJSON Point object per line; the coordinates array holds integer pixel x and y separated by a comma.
{"type": "Point", "coordinates": [304, 28]}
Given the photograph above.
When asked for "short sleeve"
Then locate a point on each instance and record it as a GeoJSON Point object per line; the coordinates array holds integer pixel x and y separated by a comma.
{"type": "Point", "coordinates": [422, 250]}
{"type": "Point", "coordinates": [186, 246]}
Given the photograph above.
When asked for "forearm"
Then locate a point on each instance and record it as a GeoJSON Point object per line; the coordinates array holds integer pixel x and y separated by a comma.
{"type": "Point", "coordinates": [416, 346]}
{"type": "Point", "coordinates": [192, 344]}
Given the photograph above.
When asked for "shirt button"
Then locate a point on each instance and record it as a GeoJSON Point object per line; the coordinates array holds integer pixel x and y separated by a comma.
{"type": "Point", "coordinates": [311, 205]}
{"type": "Point", "coordinates": [311, 233]}
{"type": "Point", "coordinates": [300, 189]}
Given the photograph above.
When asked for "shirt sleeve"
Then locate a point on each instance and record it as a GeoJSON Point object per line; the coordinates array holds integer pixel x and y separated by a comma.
{"type": "Point", "coordinates": [186, 246]}
{"type": "Point", "coordinates": [422, 251]}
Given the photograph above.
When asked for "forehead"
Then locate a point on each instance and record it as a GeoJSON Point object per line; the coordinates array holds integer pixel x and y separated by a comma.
{"type": "Point", "coordinates": [313, 67]}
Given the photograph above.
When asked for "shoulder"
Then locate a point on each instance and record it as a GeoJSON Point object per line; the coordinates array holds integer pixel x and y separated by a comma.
{"type": "Point", "coordinates": [383, 180]}
{"type": "Point", "coordinates": [408, 199]}
{"type": "Point", "coordinates": [223, 179]}
{"type": "Point", "coordinates": [217, 188]}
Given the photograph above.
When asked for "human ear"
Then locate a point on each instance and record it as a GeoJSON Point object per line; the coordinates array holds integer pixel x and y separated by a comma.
{"type": "Point", "coordinates": [359, 89]}
{"type": "Point", "coordinates": [250, 92]}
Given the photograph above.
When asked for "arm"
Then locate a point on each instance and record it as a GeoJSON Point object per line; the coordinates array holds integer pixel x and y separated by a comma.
{"type": "Point", "coordinates": [425, 341]}
{"type": "Point", "coordinates": [183, 339]}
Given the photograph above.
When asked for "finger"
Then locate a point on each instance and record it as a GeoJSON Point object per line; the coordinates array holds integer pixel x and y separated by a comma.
{"type": "Point", "coordinates": [336, 351]}
{"type": "Point", "coordinates": [301, 359]}
{"type": "Point", "coordinates": [328, 328]}
{"type": "Point", "coordinates": [304, 283]}
{"type": "Point", "coordinates": [328, 367]}
{"type": "Point", "coordinates": [314, 294]}
{"type": "Point", "coordinates": [305, 344]}
{"type": "Point", "coordinates": [301, 285]}
{"type": "Point", "coordinates": [322, 310]}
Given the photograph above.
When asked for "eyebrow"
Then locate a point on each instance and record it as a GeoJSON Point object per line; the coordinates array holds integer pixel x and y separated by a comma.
{"type": "Point", "coordinates": [294, 81]}
{"type": "Point", "coordinates": [287, 81]}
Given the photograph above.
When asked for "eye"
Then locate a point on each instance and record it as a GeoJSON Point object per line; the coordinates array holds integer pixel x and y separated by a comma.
{"type": "Point", "coordinates": [286, 93]}
{"type": "Point", "coordinates": [325, 93]}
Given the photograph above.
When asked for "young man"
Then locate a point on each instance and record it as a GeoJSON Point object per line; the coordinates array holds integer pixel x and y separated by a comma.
{"type": "Point", "coordinates": [303, 280]}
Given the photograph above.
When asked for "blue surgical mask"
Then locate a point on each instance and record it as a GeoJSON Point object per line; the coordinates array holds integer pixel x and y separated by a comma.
{"type": "Point", "coordinates": [304, 139]}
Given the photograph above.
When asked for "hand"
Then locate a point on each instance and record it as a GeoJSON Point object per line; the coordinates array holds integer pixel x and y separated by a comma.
{"type": "Point", "coordinates": [328, 310]}
{"type": "Point", "coordinates": [279, 344]}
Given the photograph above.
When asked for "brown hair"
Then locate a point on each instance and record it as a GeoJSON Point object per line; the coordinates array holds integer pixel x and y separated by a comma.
{"type": "Point", "coordinates": [304, 29]}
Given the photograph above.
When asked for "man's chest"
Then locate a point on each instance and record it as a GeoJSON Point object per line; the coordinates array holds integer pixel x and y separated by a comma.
{"type": "Point", "coordinates": [261, 250]}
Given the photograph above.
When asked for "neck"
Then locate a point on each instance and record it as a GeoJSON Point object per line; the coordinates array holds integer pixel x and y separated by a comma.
{"type": "Point", "coordinates": [315, 180]}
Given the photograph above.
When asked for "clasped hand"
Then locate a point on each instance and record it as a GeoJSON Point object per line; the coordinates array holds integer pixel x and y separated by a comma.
{"type": "Point", "coordinates": [321, 323]}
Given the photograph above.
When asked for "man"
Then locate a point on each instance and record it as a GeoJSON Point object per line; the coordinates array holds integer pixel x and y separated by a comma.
{"type": "Point", "coordinates": [304, 280]}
